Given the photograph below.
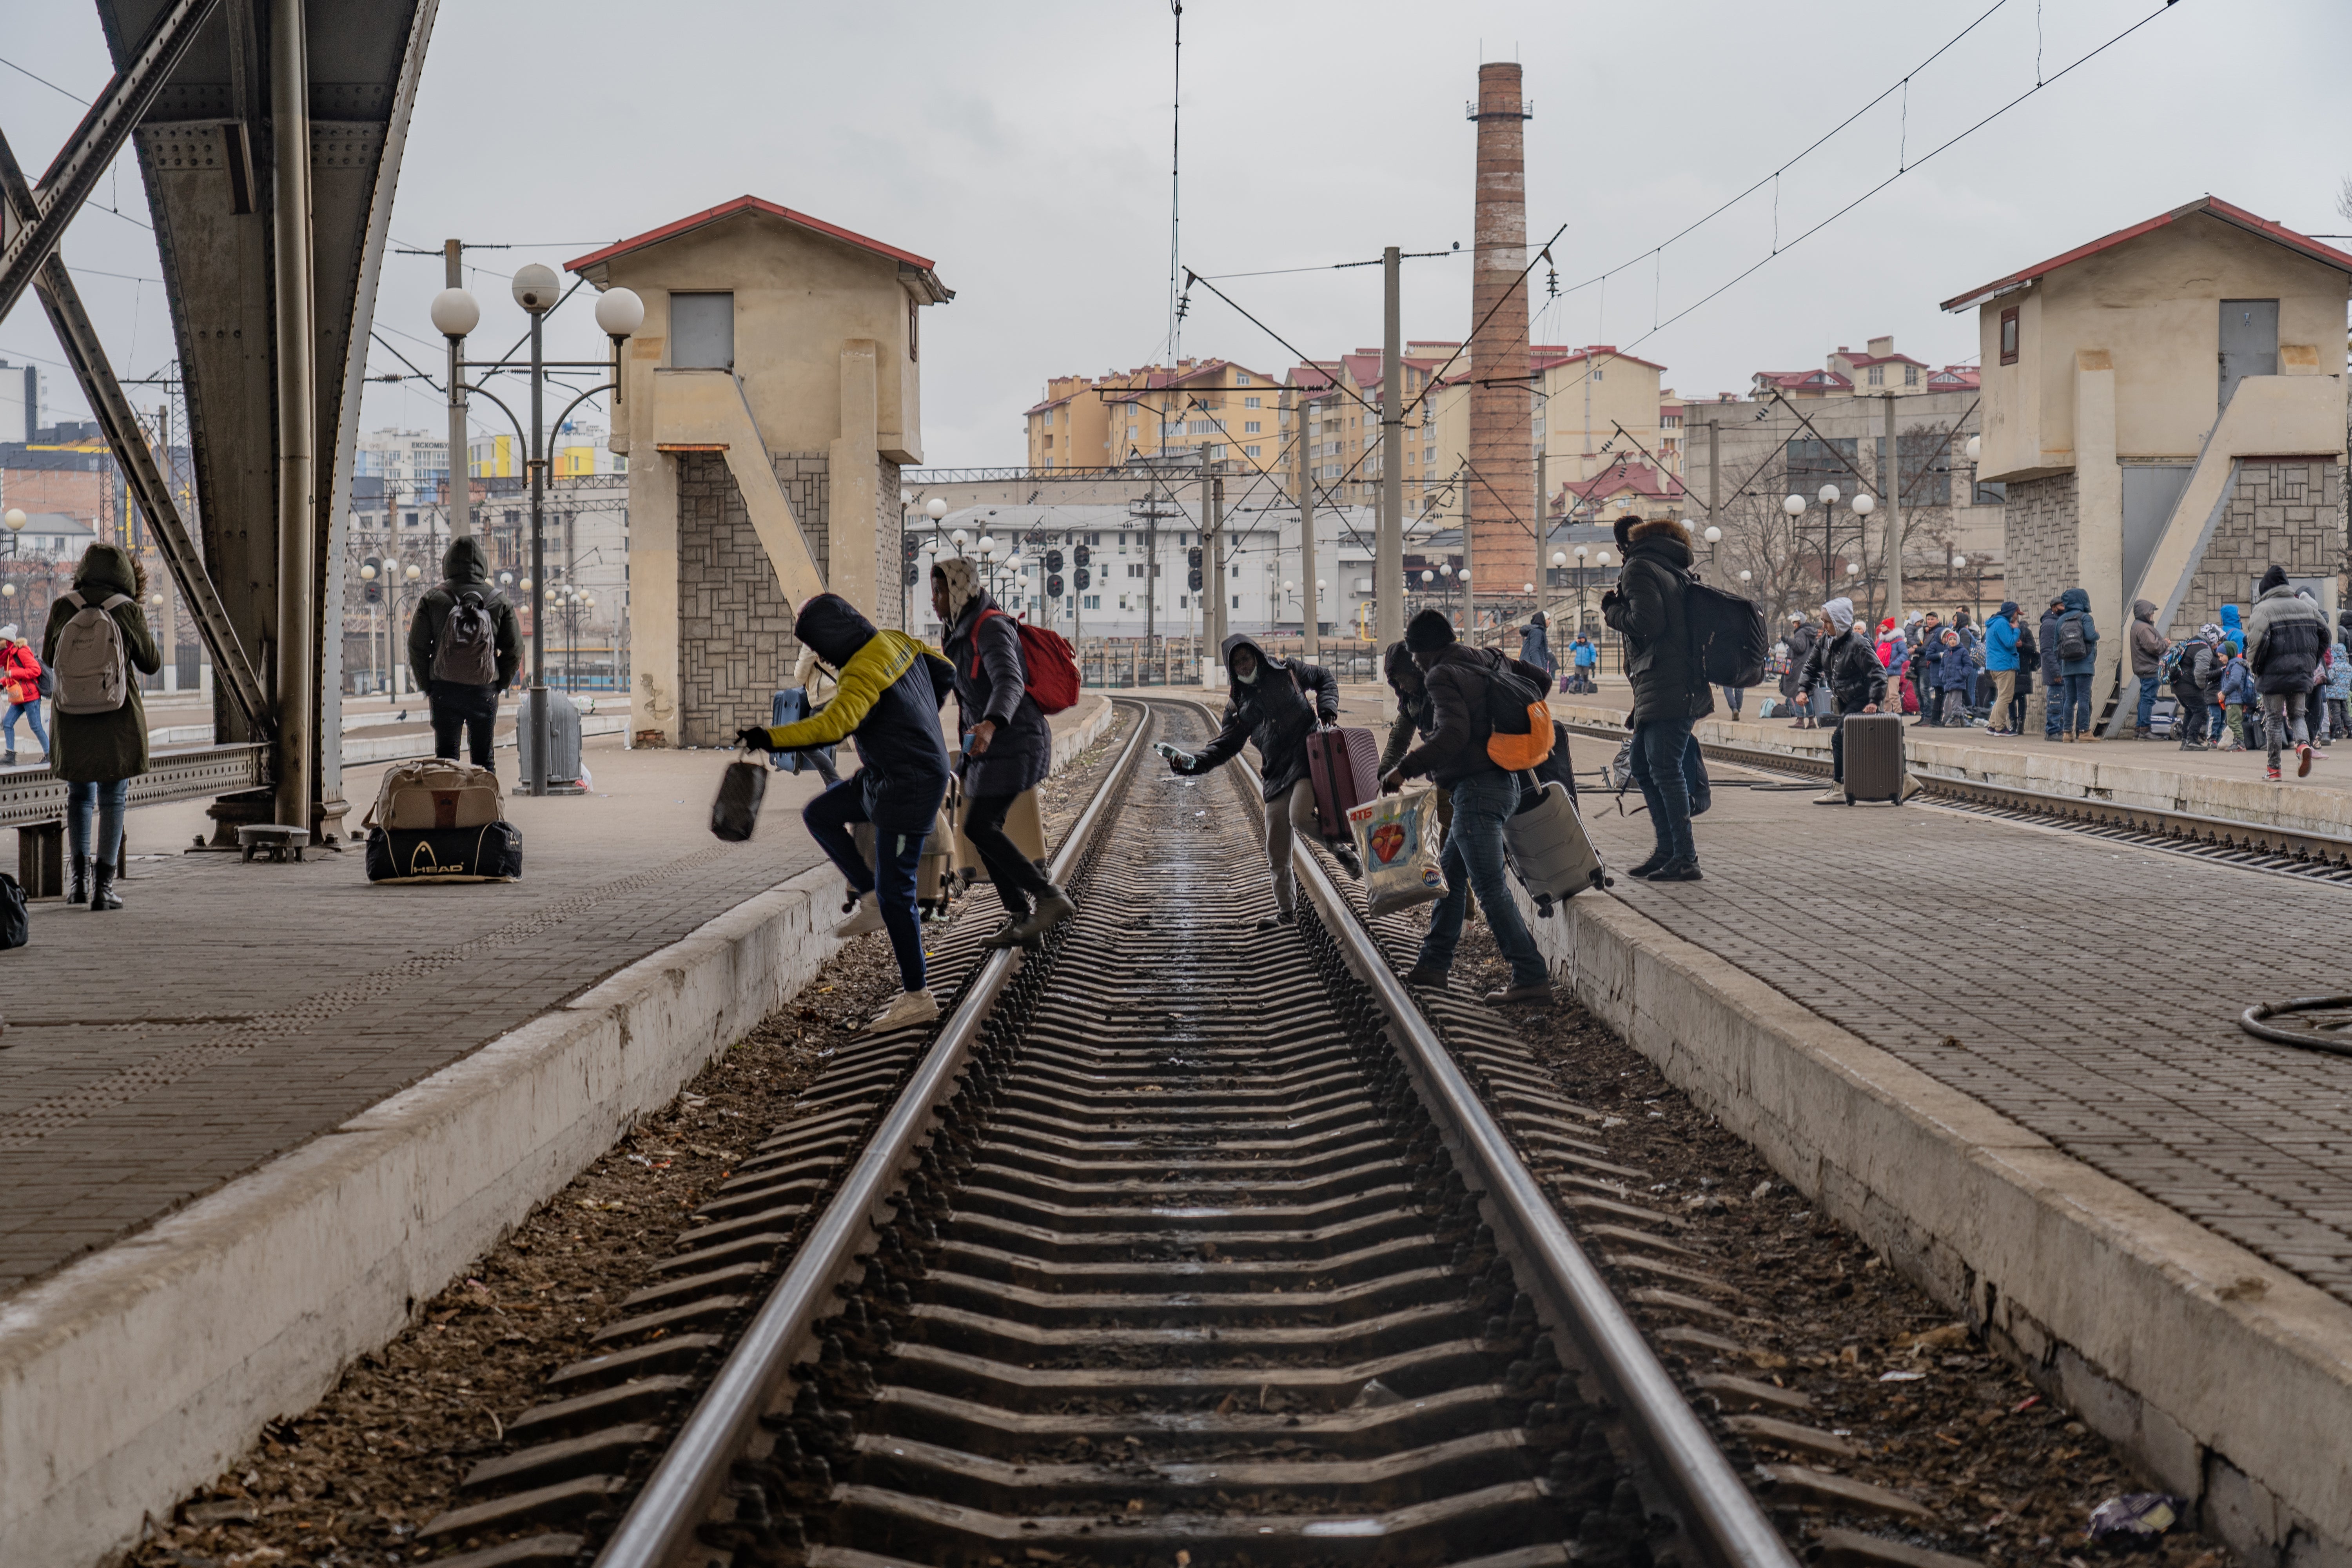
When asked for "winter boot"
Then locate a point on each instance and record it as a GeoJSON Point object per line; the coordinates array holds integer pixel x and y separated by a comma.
{"type": "Point", "coordinates": [2140, 733]}
{"type": "Point", "coordinates": [101, 887]}
{"type": "Point", "coordinates": [77, 880]}
{"type": "Point", "coordinates": [12, 756]}
{"type": "Point", "coordinates": [1007, 934]}
{"type": "Point", "coordinates": [1053, 909]}
{"type": "Point", "coordinates": [867, 917]}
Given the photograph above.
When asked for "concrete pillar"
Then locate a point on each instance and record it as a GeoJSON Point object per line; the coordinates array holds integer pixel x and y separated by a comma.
{"type": "Point", "coordinates": [1501, 405]}
{"type": "Point", "coordinates": [653, 586]}
{"type": "Point", "coordinates": [2099, 528]}
{"type": "Point", "coordinates": [853, 518]}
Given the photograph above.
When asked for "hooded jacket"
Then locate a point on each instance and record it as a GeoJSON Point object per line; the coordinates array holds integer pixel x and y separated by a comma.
{"type": "Point", "coordinates": [1801, 646]}
{"type": "Point", "coordinates": [20, 667]}
{"type": "Point", "coordinates": [2284, 639]}
{"type": "Point", "coordinates": [1584, 652]}
{"type": "Point", "coordinates": [1535, 645]}
{"type": "Point", "coordinates": [2147, 642]}
{"type": "Point", "coordinates": [1456, 747]}
{"type": "Point", "coordinates": [1276, 713]}
{"type": "Point", "coordinates": [1956, 667]}
{"type": "Point", "coordinates": [2078, 603]}
{"type": "Point", "coordinates": [464, 566]}
{"type": "Point", "coordinates": [1648, 606]}
{"type": "Point", "coordinates": [1414, 714]}
{"type": "Point", "coordinates": [2000, 641]}
{"type": "Point", "coordinates": [2234, 628]}
{"type": "Point", "coordinates": [992, 681]}
{"type": "Point", "coordinates": [1847, 666]}
{"type": "Point", "coordinates": [888, 698]}
{"type": "Point", "coordinates": [99, 748]}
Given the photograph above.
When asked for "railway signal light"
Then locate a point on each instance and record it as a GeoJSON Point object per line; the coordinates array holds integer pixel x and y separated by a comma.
{"type": "Point", "coordinates": [1084, 579]}
{"type": "Point", "coordinates": [1053, 560]}
{"type": "Point", "coordinates": [372, 581]}
{"type": "Point", "coordinates": [1083, 556]}
{"type": "Point", "coordinates": [908, 548]}
{"type": "Point", "coordinates": [1054, 581]}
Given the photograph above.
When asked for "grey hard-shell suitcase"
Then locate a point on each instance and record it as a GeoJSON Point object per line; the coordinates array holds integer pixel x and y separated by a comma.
{"type": "Point", "coordinates": [1546, 850]}
{"type": "Point", "coordinates": [1874, 757]}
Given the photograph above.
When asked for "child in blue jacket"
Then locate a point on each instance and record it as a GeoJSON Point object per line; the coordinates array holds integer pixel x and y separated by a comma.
{"type": "Point", "coordinates": [2237, 694]}
{"type": "Point", "coordinates": [1955, 672]}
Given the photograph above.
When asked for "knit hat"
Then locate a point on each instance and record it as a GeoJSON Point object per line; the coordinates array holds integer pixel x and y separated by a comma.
{"type": "Point", "coordinates": [1840, 613]}
{"type": "Point", "coordinates": [1624, 531]}
{"type": "Point", "coordinates": [2008, 608]}
{"type": "Point", "coordinates": [1887, 625]}
{"type": "Point", "coordinates": [1428, 631]}
{"type": "Point", "coordinates": [2274, 578]}
{"type": "Point", "coordinates": [962, 579]}
{"type": "Point", "coordinates": [10, 631]}
{"type": "Point", "coordinates": [2209, 632]}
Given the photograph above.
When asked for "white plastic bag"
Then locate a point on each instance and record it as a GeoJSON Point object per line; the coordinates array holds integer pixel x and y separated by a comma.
{"type": "Point", "coordinates": [1397, 841]}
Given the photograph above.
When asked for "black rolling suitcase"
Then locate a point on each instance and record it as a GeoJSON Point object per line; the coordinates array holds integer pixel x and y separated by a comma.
{"type": "Point", "coordinates": [1874, 757]}
{"type": "Point", "coordinates": [490, 853]}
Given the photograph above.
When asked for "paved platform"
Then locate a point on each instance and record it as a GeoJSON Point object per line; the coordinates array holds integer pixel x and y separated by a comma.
{"type": "Point", "coordinates": [230, 1012]}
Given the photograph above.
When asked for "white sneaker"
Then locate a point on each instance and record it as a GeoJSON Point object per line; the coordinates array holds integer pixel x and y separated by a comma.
{"type": "Point", "coordinates": [912, 1007]}
{"type": "Point", "coordinates": [1836, 796]}
{"type": "Point", "coordinates": [867, 917]}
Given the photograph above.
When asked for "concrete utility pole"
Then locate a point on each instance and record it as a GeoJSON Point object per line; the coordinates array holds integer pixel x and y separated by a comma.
{"type": "Point", "coordinates": [1305, 536]}
{"type": "Point", "coordinates": [1388, 540]}
{"type": "Point", "coordinates": [289, 225]}
{"type": "Point", "coordinates": [1212, 576]}
{"type": "Point", "coordinates": [461, 489]}
{"type": "Point", "coordinates": [1894, 489]}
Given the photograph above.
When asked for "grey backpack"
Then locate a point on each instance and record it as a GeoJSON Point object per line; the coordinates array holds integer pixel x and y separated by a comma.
{"type": "Point", "coordinates": [93, 668]}
{"type": "Point", "coordinates": [468, 653]}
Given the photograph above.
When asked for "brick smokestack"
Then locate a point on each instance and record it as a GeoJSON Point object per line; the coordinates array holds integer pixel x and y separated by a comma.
{"type": "Point", "coordinates": [1499, 492]}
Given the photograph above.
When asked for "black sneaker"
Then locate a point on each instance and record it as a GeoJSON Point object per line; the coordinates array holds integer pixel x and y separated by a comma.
{"type": "Point", "coordinates": [1677, 871]}
{"type": "Point", "coordinates": [1275, 923]}
{"type": "Point", "coordinates": [1656, 863]}
{"type": "Point", "coordinates": [1348, 862]}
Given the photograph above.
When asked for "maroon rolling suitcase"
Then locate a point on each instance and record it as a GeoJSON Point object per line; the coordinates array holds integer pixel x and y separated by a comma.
{"type": "Point", "coordinates": [1345, 767]}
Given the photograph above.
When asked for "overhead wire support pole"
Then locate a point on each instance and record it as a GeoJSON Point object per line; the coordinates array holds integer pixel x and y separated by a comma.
{"type": "Point", "coordinates": [87, 356]}
{"type": "Point", "coordinates": [461, 466]}
{"type": "Point", "coordinates": [1388, 534]}
{"type": "Point", "coordinates": [87, 154]}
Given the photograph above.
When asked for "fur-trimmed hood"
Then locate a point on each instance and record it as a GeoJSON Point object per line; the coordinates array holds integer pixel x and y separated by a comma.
{"type": "Point", "coordinates": [1662, 536]}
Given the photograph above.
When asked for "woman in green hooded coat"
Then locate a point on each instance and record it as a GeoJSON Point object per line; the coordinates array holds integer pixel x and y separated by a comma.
{"type": "Point", "coordinates": [98, 754]}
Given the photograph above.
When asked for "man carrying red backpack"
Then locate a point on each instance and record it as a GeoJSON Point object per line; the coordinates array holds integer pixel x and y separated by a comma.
{"type": "Point", "coordinates": [20, 672]}
{"type": "Point", "coordinates": [1008, 746]}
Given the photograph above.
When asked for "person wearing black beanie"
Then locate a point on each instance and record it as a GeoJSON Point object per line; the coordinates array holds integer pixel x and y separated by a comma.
{"type": "Point", "coordinates": [1428, 632]}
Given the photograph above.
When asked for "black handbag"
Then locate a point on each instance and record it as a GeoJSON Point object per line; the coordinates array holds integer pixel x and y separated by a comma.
{"type": "Point", "coordinates": [736, 812]}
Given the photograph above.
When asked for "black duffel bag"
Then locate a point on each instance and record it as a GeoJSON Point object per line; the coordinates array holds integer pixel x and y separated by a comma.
{"type": "Point", "coordinates": [736, 812]}
{"type": "Point", "coordinates": [491, 853]}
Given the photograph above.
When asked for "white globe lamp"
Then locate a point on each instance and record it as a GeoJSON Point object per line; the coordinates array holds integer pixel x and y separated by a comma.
{"type": "Point", "coordinates": [619, 312]}
{"type": "Point", "coordinates": [1714, 535]}
{"type": "Point", "coordinates": [537, 287]}
{"type": "Point", "coordinates": [1560, 557]}
{"type": "Point", "coordinates": [1960, 563]}
{"type": "Point", "coordinates": [1975, 446]}
{"type": "Point", "coordinates": [412, 572]}
{"type": "Point", "coordinates": [1794, 506]}
{"type": "Point", "coordinates": [455, 314]}
{"type": "Point", "coordinates": [1829, 495]}
{"type": "Point", "coordinates": [937, 509]}
{"type": "Point", "coordinates": [367, 572]}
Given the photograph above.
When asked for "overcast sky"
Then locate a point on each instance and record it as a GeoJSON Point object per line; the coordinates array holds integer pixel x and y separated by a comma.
{"type": "Point", "coordinates": [1026, 148]}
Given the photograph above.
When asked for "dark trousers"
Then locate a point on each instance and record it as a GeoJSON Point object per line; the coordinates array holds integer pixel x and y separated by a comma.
{"type": "Point", "coordinates": [1018, 881]}
{"type": "Point", "coordinates": [1661, 748]}
{"type": "Point", "coordinates": [474, 709]}
{"type": "Point", "coordinates": [1931, 706]}
{"type": "Point", "coordinates": [891, 878]}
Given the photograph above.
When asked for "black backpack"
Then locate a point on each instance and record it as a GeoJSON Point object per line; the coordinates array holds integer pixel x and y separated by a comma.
{"type": "Point", "coordinates": [2071, 644]}
{"type": "Point", "coordinates": [467, 654]}
{"type": "Point", "coordinates": [1509, 698]}
{"type": "Point", "coordinates": [1727, 641]}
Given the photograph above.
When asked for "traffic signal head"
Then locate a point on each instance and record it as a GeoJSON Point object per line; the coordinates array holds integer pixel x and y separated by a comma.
{"type": "Point", "coordinates": [1084, 579]}
{"type": "Point", "coordinates": [1193, 559]}
{"type": "Point", "coordinates": [908, 548]}
{"type": "Point", "coordinates": [1054, 582]}
{"type": "Point", "coordinates": [1192, 579]}
{"type": "Point", "coordinates": [914, 574]}
{"type": "Point", "coordinates": [1083, 556]}
{"type": "Point", "coordinates": [1053, 560]}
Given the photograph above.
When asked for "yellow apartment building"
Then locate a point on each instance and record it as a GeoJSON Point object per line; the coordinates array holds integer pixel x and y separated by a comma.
{"type": "Point", "coordinates": [1222, 411]}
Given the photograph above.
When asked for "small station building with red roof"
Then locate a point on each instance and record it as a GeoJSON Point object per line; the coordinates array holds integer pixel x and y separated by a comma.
{"type": "Point", "coordinates": [766, 407]}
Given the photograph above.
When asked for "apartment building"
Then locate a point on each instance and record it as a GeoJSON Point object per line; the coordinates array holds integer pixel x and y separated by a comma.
{"type": "Point", "coordinates": [1877, 371]}
{"type": "Point", "coordinates": [1342, 399]}
{"type": "Point", "coordinates": [1213, 409]}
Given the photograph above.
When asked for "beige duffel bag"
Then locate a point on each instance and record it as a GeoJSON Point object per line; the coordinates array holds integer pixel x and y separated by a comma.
{"type": "Point", "coordinates": [438, 793]}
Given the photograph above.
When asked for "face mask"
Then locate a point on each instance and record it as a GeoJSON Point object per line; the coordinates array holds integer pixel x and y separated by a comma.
{"type": "Point", "coordinates": [1251, 678]}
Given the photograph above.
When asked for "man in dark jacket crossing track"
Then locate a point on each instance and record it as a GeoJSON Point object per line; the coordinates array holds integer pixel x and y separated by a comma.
{"type": "Point", "coordinates": [1274, 704]}
{"type": "Point", "coordinates": [1669, 694]}
{"type": "Point", "coordinates": [891, 690]}
{"type": "Point", "coordinates": [1455, 759]}
{"type": "Point", "coordinates": [1008, 746]}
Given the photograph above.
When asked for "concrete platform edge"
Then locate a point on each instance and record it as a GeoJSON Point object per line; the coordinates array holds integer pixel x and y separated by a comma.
{"type": "Point", "coordinates": [2228, 1380]}
{"type": "Point", "coordinates": [136, 1373]}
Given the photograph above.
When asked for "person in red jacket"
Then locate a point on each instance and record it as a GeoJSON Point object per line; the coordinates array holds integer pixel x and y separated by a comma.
{"type": "Point", "coordinates": [20, 672]}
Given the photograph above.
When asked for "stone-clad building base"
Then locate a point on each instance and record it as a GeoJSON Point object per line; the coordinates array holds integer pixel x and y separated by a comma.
{"type": "Point", "coordinates": [735, 628]}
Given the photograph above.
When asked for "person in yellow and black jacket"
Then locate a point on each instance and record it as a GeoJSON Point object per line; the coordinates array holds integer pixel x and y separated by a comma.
{"type": "Point", "coordinates": [890, 691]}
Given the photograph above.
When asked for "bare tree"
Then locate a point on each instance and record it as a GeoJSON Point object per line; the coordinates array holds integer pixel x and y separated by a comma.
{"type": "Point", "coordinates": [2344, 199]}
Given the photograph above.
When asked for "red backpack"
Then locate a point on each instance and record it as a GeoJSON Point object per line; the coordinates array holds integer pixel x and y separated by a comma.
{"type": "Point", "coordinates": [1046, 655]}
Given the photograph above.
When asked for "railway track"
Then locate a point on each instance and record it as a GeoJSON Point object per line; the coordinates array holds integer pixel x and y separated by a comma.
{"type": "Point", "coordinates": [2251, 845]}
{"type": "Point", "coordinates": [1179, 1242]}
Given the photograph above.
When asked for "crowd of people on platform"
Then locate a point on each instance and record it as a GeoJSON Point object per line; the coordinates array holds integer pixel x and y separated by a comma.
{"type": "Point", "coordinates": [2276, 677]}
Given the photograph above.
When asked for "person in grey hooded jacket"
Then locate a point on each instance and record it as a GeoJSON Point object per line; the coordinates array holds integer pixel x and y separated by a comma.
{"type": "Point", "coordinates": [2285, 636]}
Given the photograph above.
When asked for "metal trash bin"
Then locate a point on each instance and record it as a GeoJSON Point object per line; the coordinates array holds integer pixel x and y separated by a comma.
{"type": "Point", "coordinates": [563, 744]}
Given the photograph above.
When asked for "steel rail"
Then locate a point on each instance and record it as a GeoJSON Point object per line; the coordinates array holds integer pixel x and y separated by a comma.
{"type": "Point", "coordinates": [661, 1523]}
{"type": "Point", "coordinates": [1722, 1516]}
{"type": "Point", "coordinates": [2220, 832]}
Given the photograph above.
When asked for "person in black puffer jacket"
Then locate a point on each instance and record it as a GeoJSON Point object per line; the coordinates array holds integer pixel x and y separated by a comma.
{"type": "Point", "coordinates": [1273, 704]}
{"type": "Point", "coordinates": [1669, 696]}
{"type": "Point", "coordinates": [1848, 665]}
{"type": "Point", "coordinates": [1457, 759]}
{"type": "Point", "coordinates": [1008, 746]}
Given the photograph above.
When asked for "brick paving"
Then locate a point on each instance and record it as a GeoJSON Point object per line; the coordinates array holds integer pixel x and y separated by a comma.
{"type": "Point", "coordinates": [230, 1012]}
{"type": "Point", "coordinates": [2043, 972]}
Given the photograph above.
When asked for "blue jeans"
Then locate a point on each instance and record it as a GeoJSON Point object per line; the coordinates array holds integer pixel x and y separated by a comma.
{"type": "Point", "coordinates": [108, 800]}
{"type": "Point", "coordinates": [1731, 698]}
{"type": "Point", "coordinates": [829, 818]}
{"type": "Point", "coordinates": [2147, 701]}
{"type": "Point", "coordinates": [2077, 708]}
{"type": "Point", "coordinates": [1662, 757]}
{"type": "Point", "coordinates": [31, 711]}
{"type": "Point", "coordinates": [2054, 703]}
{"type": "Point", "coordinates": [1695, 784]}
{"type": "Point", "coordinates": [1474, 859]}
